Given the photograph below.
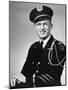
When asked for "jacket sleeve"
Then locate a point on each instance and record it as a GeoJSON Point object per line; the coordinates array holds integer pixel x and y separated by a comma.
{"type": "Point", "coordinates": [56, 71]}
{"type": "Point", "coordinates": [28, 68]}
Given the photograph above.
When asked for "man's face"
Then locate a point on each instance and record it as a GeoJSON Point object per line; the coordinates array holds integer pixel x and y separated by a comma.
{"type": "Point", "coordinates": [43, 28]}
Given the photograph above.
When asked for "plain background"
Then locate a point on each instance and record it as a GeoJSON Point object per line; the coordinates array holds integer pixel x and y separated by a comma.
{"type": "Point", "coordinates": [22, 33]}
{"type": "Point", "coordinates": [4, 43]}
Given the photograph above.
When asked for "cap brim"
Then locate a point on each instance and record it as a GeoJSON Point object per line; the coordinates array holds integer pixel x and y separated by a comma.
{"type": "Point", "coordinates": [42, 18]}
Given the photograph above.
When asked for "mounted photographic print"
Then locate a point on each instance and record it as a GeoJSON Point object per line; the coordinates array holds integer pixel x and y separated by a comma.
{"type": "Point", "coordinates": [37, 44]}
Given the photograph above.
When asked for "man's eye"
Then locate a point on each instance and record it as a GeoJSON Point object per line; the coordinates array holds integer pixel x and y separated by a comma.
{"type": "Point", "coordinates": [45, 24]}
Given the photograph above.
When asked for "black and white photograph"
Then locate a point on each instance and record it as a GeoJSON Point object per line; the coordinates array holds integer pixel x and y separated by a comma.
{"type": "Point", "coordinates": [37, 44]}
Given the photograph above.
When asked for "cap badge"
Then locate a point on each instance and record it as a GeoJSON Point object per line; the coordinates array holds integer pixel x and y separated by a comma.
{"type": "Point", "coordinates": [39, 8]}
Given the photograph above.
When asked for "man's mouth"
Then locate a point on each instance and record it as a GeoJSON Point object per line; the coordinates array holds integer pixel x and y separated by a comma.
{"type": "Point", "coordinates": [42, 32]}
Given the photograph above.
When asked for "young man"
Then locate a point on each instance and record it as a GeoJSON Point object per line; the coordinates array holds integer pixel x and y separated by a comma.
{"type": "Point", "coordinates": [46, 58]}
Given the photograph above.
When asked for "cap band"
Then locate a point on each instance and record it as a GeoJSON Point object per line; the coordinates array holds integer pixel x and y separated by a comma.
{"type": "Point", "coordinates": [41, 16]}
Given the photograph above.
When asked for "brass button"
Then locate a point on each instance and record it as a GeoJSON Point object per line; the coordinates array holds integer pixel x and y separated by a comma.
{"type": "Point", "coordinates": [34, 46]}
{"type": "Point", "coordinates": [48, 63]}
{"type": "Point", "coordinates": [38, 62]}
{"type": "Point", "coordinates": [37, 71]}
{"type": "Point", "coordinates": [32, 62]}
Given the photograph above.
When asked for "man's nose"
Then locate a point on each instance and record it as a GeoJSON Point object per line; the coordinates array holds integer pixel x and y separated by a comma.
{"type": "Point", "coordinates": [42, 27]}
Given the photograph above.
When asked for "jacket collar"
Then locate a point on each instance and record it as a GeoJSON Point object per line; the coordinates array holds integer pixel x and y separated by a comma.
{"type": "Point", "coordinates": [48, 45]}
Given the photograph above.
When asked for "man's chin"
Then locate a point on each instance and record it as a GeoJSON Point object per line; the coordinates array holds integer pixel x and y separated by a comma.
{"type": "Point", "coordinates": [43, 37]}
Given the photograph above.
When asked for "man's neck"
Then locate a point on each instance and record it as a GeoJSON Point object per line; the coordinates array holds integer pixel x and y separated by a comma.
{"type": "Point", "coordinates": [45, 40]}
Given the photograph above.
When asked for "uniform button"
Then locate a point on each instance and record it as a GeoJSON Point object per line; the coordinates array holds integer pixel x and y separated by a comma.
{"type": "Point", "coordinates": [37, 71]}
{"type": "Point", "coordinates": [32, 62]}
{"type": "Point", "coordinates": [34, 46]}
{"type": "Point", "coordinates": [48, 63]}
{"type": "Point", "coordinates": [38, 62]}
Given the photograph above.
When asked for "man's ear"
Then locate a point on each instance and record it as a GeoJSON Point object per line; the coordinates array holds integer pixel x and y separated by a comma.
{"type": "Point", "coordinates": [51, 25]}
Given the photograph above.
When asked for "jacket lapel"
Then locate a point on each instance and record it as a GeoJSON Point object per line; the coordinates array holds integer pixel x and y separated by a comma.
{"type": "Point", "coordinates": [48, 45]}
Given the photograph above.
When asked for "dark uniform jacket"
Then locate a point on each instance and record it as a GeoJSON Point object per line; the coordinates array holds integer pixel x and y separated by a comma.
{"type": "Point", "coordinates": [44, 66]}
